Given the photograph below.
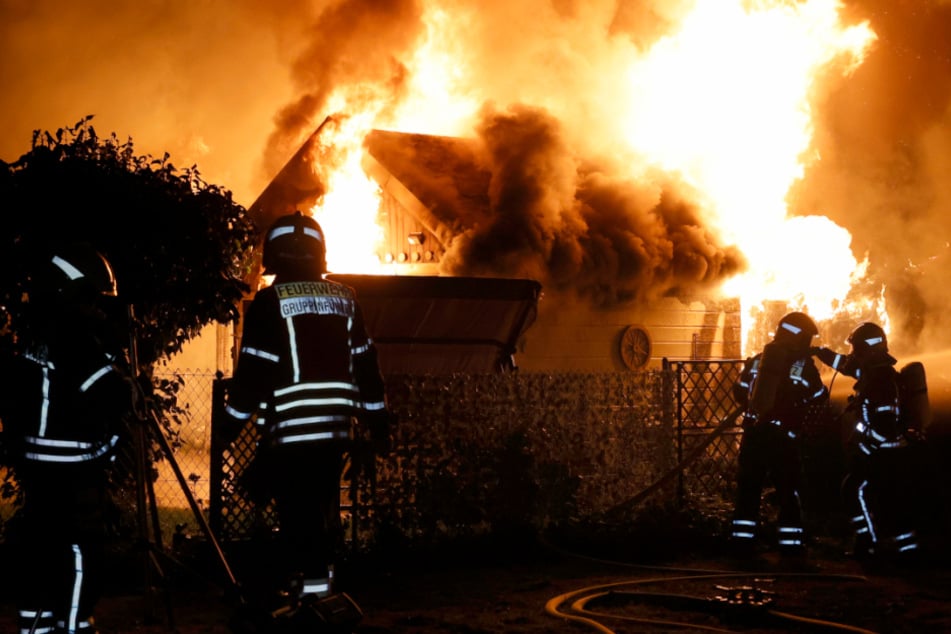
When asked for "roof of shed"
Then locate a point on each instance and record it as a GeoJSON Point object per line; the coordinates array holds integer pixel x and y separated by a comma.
{"type": "Point", "coordinates": [441, 325]}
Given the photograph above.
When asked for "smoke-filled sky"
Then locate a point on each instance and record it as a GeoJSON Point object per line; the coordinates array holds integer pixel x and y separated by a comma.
{"type": "Point", "coordinates": [234, 87]}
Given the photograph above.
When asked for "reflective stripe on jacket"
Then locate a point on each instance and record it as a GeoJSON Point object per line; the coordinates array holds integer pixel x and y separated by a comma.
{"type": "Point", "coordinates": [306, 365]}
{"type": "Point", "coordinates": [799, 387]}
{"type": "Point", "coordinates": [65, 405]}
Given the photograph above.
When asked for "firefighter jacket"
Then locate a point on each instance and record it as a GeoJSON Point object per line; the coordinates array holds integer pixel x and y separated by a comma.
{"type": "Point", "coordinates": [876, 407]}
{"type": "Point", "coordinates": [876, 400]}
{"type": "Point", "coordinates": [791, 382]}
{"type": "Point", "coordinates": [64, 402]}
{"type": "Point", "coordinates": [843, 363]}
{"type": "Point", "coordinates": [306, 366]}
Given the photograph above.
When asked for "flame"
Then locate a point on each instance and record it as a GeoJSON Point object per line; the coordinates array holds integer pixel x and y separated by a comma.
{"type": "Point", "coordinates": [347, 212]}
{"type": "Point", "coordinates": [725, 101]}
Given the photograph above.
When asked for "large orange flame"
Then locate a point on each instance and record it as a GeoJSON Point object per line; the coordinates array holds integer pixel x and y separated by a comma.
{"type": "Point", "coordinates": [725, 102]}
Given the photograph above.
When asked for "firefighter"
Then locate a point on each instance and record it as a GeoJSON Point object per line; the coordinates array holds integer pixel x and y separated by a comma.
{"type": "Point", "coordinates": [307, 375]}
{"type": "Point", "coordinates": [65, 397]}
{"type": "Point", "coordinates": [883, 419]}
{"type": "Point", "coordinates": [779, 387]}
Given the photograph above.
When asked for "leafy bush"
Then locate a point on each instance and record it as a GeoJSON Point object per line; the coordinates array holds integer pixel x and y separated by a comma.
{"type": "Point", "coordinates": [180, 247]}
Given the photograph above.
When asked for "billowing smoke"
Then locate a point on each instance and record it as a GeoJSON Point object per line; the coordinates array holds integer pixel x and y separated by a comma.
{"type": "Point", "coordinates": [575, 226]}
{"type": "Point", "coordinates": [236, 87]}
{"type": "Point", "coordinates": [352, 51]}
{"type": "Point", "coordinates": [557, 212]}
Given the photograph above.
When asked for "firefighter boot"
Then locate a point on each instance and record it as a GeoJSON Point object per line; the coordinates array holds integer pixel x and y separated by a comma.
{"type": "Point", "coordinates": [334, 614]}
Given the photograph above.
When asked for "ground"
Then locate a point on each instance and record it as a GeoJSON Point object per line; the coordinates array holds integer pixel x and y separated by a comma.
{"type": "Point", "coordinates": [544, 588]}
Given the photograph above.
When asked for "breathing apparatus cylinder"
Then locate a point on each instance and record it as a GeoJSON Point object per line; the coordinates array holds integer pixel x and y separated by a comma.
{"type": "Point", "coordinates": [772, 366]}
{"type": "Point", "coordinates": [916, 407]}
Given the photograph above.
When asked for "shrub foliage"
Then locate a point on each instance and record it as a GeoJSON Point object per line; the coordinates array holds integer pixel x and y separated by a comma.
{"type": "Point", "coordinates": [179, 246]}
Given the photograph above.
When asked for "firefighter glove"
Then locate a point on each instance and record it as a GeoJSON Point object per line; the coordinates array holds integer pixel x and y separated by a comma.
{"type": "Point", "coordinates": [826, 355]}
{"type": "Point", "coordinates": [380, 425]}
{"type": "Point", "coordinates": [750, 420]}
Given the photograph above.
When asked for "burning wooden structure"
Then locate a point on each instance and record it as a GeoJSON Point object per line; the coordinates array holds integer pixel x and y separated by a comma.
{"type": "Point", "coordinates": [432, 189]}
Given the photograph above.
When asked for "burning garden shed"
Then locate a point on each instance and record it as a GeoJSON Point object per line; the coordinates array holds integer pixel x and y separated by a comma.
{"type": "Point", "coordinates": [432, 312]}
{"type": "Point", "coordinates": [435, 189]}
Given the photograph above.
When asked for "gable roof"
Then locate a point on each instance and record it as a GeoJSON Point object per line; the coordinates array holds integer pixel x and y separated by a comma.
{"type": "Point", "coordinates": [437, 179]}
{"type": "Point", "coordinates": [423, 324]}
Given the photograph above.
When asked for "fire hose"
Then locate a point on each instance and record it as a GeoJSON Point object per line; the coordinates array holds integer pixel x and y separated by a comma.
{"type": "Point", "coordinates": [745, 603]}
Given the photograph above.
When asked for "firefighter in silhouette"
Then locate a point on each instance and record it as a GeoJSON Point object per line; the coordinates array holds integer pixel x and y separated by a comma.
{"type": "Point", "coordinates": [778, 388]}
{"type": "Point", "coordinates": [65, 399]}
{"type": "Point", "coordinates": [307, 374]}
{"type": "Point", "coordinates": [885, 418]}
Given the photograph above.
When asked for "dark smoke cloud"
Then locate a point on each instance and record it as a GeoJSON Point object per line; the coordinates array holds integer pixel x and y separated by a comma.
{"type": "Point", "coordinates": [575, 226]}
{"type": "Point", "coordinates": [356, 46]}
{"type": "Point", "coordinates": [884, 136]}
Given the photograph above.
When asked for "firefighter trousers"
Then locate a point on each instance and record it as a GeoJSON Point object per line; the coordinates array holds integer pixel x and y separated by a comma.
{"type": "Point", "coordinates": [768, 453]}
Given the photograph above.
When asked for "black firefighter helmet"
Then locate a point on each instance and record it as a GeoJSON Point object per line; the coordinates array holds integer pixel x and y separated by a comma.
{"type": "Point", "coordinates": [73, 273]}
{"type": "Point", "coordinates": [869, 343]}
{"type": "Point", "coordinates": [295, 245]}
{"type": "Point", "coordinates": [74, 284]}
{"type": "Point", "coordinates": [796, 330]}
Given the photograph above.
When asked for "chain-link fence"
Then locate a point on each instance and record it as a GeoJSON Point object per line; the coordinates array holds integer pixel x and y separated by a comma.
{"type": "Point", "coordinates": [706, 412]}
{"type": "Point", "coordinates": [690, 399]}
{"type": "Point", "coordinates": [191, 449]}
{"type": "Point", "coordinates": [469, 446]}
{"type": "Point", "coordinates": [690, 425]}
{"type": "Point", "coordinates": [600, 426]}
{"type": "Point", "coordinates": [614, 434]}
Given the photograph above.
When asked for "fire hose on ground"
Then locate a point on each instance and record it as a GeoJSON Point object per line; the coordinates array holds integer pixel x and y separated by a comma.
{"type": "Point", "coordinates": [745, 602]}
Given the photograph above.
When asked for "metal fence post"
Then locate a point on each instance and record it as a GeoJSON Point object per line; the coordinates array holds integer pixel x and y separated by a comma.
{"type": "Point", "coordinates": [670, 411]}
{"type": "Point", "coordinates": [218, 446]}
